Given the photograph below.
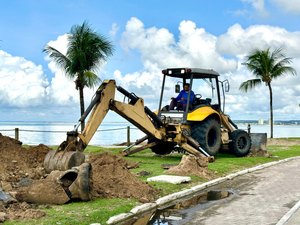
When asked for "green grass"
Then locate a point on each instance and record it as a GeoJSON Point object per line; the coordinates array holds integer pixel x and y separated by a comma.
{"type": "Point", "coordinates": [101, 209]}
{"type": "Point", "coordinates": [96, 211]}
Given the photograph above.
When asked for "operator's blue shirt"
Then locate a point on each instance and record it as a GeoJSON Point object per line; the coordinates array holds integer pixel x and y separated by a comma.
{"type": "Point", "coordinates": [183, 96]}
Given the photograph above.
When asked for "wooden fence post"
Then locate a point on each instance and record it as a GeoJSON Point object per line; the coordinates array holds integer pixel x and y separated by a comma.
{"type": "Point", "coordinates": [128, 135]}
{"type": "Point", "coordinates": [249, 128]}
{"type": "Point", "coordinates": [17, 134]}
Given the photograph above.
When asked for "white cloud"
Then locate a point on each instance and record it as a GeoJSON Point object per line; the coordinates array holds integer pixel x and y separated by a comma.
{"type": "Point", "coordinates": [114, 30]}
{"type": "Point", "coordinates": [198, 48]}
{"type": "Point", "coordinates": [239, 41]}
{"type": "Point", "coordinates": [61, 43]}
{"type": "Point", "coordinates": [258, 5]}
{"type": "Point", "coordinates": [24, 85]}
{"type": "Point", "coordinates": [195, 47]}
{"type": "Point", "coordinates": [292, 6]}
{"type": "Point", "coordinates": [22, 82]}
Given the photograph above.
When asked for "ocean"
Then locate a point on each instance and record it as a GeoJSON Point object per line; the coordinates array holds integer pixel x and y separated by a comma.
{"type": "Point", "coordinates": [109, 133]}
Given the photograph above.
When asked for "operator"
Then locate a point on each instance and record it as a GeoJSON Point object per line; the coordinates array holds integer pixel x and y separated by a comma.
{"type": "Point", "coordinates": [181, 100]}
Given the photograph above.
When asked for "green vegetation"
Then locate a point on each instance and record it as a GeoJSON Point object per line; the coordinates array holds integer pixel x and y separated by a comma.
{"type": "Point", "coordinates": [81, 212]}
{"type": "Point", "coordinates": [266, 66]}
{"type": "Point", "coordinates": [101, 209]}
{"type": "Point", "coordinates": [86, 50]}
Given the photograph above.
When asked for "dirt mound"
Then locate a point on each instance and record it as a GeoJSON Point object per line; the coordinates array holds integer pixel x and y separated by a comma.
{"type": "Point", "coordinates": [111, 178]}
{"type": "Point", "coordinates": [18, 162]}
{"type": "Point", "coordinates": [190, 165]}
{"type": "Point", "coordinates": [19, 167]}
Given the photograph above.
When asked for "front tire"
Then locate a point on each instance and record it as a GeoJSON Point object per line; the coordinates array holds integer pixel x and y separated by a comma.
{"type": "Point", "coordinates": [208, 134]}
{"type": "Point", "coordinates": [240, 142]}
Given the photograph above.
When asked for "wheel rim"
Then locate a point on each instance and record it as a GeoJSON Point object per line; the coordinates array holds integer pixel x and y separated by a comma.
{"type": "Point", "coordinates": [211, 138]}
{"type": "Point", "coordinates": [242, 142]}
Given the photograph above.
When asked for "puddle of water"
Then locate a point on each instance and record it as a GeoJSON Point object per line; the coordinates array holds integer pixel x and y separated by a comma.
{"type": "Point", "coordinates": [175, 214]}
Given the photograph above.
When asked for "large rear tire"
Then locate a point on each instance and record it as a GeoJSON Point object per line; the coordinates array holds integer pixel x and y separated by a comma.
{"type": "Point", "coordinates": [240, 143]}
{"type": "Point", "coordinates": [208, 134]}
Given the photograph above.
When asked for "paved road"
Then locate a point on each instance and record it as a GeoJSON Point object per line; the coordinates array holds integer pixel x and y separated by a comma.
{"type": "Point", "coordinates": [262, 198]}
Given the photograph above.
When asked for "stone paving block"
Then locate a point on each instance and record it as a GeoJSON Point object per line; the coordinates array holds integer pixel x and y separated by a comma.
{"type": "Point", "coordinates": [170, 179]}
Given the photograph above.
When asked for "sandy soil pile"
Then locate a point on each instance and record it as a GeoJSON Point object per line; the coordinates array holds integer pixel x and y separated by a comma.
{"type": "Point", "coordinates": [110, 177]}
{"type": "Point", "coordinates": [190, 165]}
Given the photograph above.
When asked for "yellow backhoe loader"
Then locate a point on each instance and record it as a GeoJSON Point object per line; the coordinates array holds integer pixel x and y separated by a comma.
{"type": "Point", "coordinates": [200, 128]}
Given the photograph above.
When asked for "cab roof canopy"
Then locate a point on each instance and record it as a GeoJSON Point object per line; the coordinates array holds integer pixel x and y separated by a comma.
{"type": "Point", "coordinates": [187, 72]}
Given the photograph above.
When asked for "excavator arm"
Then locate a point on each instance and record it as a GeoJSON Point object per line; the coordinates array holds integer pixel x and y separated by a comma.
{"type": "Point", "coordinates": [70, 152]}
{"type": "Point", "coordinates": [134, 112]}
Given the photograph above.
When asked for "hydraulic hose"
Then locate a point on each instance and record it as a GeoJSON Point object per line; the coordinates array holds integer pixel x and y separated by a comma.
{"type": "Point", "coordinates": [131, 96]}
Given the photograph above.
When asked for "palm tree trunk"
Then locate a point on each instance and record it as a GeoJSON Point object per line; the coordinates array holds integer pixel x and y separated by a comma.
{"type": "Point", "coordinates": [271, 109]}
{"type": "Point", "coordinates": [81, 100]}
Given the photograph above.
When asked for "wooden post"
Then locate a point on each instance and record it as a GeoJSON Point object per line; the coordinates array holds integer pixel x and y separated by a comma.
{"type": "Point", "coordinates": [128, 135]}
{"type": "Point", "coordinates": [249, 128]}
{"type": "Point", "coordinates": [17, 134]}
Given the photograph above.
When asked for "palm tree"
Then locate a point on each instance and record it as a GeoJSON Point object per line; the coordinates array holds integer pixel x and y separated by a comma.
{"type": "Point", "coordinates": [266, 66]}
{"type": "Point", "coordinates": [86, 49]}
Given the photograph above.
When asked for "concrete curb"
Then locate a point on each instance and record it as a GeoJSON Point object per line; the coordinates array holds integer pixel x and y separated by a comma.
{"type": "Point", "coordinates": [178, 196]}
{"type": "Point", "coordinates": [289, 214]}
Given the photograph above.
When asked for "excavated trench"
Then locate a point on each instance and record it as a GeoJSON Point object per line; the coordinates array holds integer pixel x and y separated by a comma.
{"type": "Point", "coordinates": [176, 214]}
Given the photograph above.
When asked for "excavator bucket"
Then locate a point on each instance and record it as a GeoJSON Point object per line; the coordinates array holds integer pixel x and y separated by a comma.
{"type": "Point", "coordinates": [66, 157]}
{"type": "Point", "coordinates": [63, 160]}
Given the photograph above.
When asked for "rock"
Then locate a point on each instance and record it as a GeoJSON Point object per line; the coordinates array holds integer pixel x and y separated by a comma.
{"type": "Point", "coordinates": [2, 217]}
{"type": "Point", "coordinates": [25, 182]}
{"type": "Point", "coordinates": [6, 198]}
{"type": "Point", "coordinates": [6, 186]}
{"type": "Point", "coordinates": [44, 191]}
{"type": "Point", "coordinates": [143, 173]}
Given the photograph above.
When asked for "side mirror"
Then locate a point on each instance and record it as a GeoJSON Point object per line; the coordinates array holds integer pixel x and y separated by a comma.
{"type": "Point", "coordinates": [227, 86]}
{"type": "Point", "coordinates": [177, 88]}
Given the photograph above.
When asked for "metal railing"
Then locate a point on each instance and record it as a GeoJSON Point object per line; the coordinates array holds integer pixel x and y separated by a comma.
{"type": "Point", "coordinates": [18, 130]}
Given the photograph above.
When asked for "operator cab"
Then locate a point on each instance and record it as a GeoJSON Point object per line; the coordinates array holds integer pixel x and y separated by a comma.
{"type": "Point", "coordinates": [203, 91]}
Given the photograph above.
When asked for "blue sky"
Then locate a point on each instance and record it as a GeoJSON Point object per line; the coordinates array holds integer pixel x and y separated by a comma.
{"type": "Point", "coordinates": [148, 36]}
